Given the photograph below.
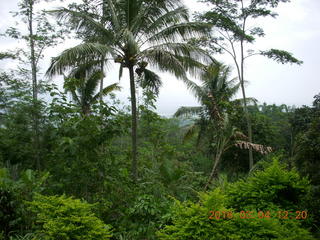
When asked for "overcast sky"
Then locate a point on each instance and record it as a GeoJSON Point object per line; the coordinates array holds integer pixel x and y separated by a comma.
{"type": "Point", "coordinates": [296, 30]}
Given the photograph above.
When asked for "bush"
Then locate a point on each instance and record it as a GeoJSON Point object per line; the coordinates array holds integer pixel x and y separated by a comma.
{"type": "Point", "coordinates": [65, 218]}
{"type": "Point", "coordinates": [10, 220]}
{"type": "Point", "coordinates": [270, 190]}
{"type": "Point", "coordinates": [13, 194]}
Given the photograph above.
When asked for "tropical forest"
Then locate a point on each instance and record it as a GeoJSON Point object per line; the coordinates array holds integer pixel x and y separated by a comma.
{"type": "Point", "coordinates": [86, 153]}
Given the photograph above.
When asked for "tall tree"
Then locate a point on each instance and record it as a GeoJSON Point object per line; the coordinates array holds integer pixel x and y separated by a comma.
{"type": "Point", "coordinates": [233, 34]}
{"type": "Point", "coordinates": [139, 33]}
{"type": "Point", "coordinates": [212, 125]}
{"type": "Point", "coordinates": [39, 35]}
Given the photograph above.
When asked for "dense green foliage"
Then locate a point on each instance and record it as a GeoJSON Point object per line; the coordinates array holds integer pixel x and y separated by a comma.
{"type": "Point", "coordinates": [66, 218]}
{"type": "Point", "coordinates": [79, 164]}
{"type": "Point", "coordinates": [257, 193]}
{"type": "Point", "coordinates": [269, 189]}
{"type": "Point", "coordinates": [14, 194]}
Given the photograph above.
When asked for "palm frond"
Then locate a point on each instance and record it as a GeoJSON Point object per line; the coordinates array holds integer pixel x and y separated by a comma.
{"type": "Point", "coordinates": [151, 81]}
{"type": "Point", "coordinates": [146, 15]}
{"type": "Point", "coordinates": [188, 111]}
{"type": "Point", "coordinates": [84, 69]}
{"type": "Point", "coordinates": [131, 9]}
{"type": "Point", "coordinates": [165, 61]}
{"type": "Point", "coordinates": [249, 101]}
{"type": "Point", "coordinates": [257, 147]}
{"type": "Point", "coordinates": [234, 88]}
{"type": "Point", "coordinates": [151, 11]}
{"type": "Point", "coordinates": [191, 131]}
{"type": "Point", "coordinates": [194, 67]}
{"type": "Point", "coordinates": [77, 55]}
{"type": "Point", "coordinates": [168, 4]}
{"type": "Point", "coordinates": [107, 90]}
{"type": "Point", "coordinates": [75, 97]}
{"type": "Point", "coordinates": [114, 18]}
{"type": "Point", "coordinates": [184, 30]}
{"type": "Point", "coordinates": [197, 91]}
{"type": "Point", "coordinates": [167, 19]}
{"type": "Point", "coordinates": [70, 85]}
{"type": "Point", "coordinates": [187, 58]}
{"type": "Point", "coordinates": [91, 85]}
{"type": "Point", "coordinates": [183, 49]}
{"type": "Point", "coordinates": [83, 20]}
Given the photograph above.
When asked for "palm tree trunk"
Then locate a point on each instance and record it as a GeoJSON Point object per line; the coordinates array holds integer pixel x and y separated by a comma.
{"type": "Point", "coordinates": [134, 124]}
{"type": "Point", "coordinates": [104, 12]}
{"type": "Point", "coordinates": [101, 82]}
{"type": "Point", "coordinates": [101, 86]}
{"type": "Point", "coordinates": [213, 171]}
{"type": "Point", "coordinates": [34, 86]}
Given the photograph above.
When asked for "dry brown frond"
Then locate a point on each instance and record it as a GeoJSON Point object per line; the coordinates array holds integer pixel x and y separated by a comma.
{"type": "Point", "coordinates": [256, 147]}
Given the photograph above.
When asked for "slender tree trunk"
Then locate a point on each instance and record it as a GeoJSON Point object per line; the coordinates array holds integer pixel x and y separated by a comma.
{"type": "Point", "coordinates": [34, 86]}
{"type": "Point", "coordinates": [213, 171]}
{"type": "Point", "coordinates": [291, 148]}
{"type": "Point", "coordinates": [101, 88]}
{"type": "Point", "coordinates": [248, 120]}
{"type": "Point", "coordinates": [134, 124]}
{"type": "Point", "coordinates": [104, 13]}
{"type": "Point", "coordinates": [101, 82]}
{"type": "Point", "coordinates": [246, 112]}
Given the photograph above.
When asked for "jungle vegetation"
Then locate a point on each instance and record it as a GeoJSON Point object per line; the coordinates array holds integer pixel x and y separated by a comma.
{"type": "Point", "coordinates": [75, 163]}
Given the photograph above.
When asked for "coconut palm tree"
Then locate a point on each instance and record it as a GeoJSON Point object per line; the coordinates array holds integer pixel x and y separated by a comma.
{"type": "Point", "coordinates": [82, 83]}
{"type": "Point", "coordinates": [214, 95]}
{"type": "Point", "coordinates": [138, 34]}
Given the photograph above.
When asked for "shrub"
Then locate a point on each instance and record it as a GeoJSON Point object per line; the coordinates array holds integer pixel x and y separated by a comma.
{"type": "Point", "coordinates": [270, 190]}
{"type": "Point", "coordinates": [65, 218]}
{"type": "Point", "coordinates": [13, 194]}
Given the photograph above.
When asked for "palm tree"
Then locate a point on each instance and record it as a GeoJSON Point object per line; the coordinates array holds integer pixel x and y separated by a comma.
{"type": "Point", "coordinates": [213, 125]}
{"type": "Point", "coordinates": [214, 95]}
{"type": "Point", "coordinates": [82, 83]}
{"type": "Point", "coordinates": [138, 34]}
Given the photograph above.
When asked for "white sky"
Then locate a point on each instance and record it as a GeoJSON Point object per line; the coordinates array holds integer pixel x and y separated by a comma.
{"type": "Point", "coordinates": [296, 30]}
